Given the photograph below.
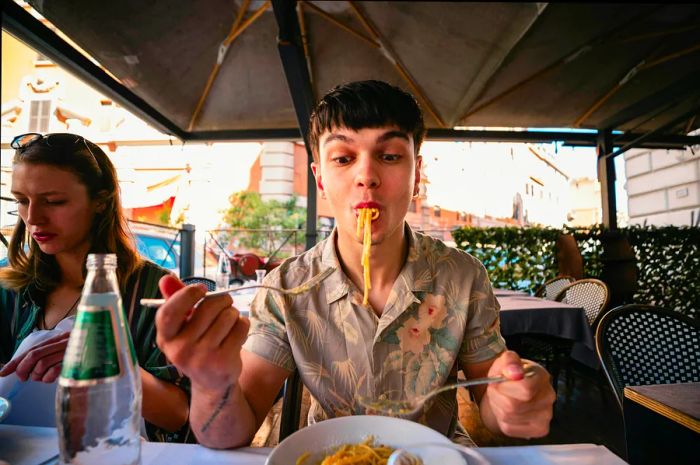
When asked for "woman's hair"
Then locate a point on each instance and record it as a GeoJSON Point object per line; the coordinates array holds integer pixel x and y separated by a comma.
{"type": "Point", "coordinates": [109, 229]}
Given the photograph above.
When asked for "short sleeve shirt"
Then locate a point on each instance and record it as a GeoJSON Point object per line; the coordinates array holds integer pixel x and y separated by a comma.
{"type": "Point", "coordinates": [441, 314]}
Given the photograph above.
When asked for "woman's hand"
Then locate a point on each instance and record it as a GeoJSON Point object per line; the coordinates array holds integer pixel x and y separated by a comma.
{"type": "Point", "coordinates": [40, 363]}
{"type": "Point", "coordinates": [522, 407]}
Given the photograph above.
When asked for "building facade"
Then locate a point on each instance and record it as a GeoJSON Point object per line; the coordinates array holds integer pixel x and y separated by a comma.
{"type": "Point", "coordinates": [663, 187]}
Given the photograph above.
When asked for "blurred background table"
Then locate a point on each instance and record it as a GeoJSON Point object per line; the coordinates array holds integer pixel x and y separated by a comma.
{"type": "Point", "coordinates": [509, 293]}
{"type": "Point", "coordinates": [532, 315]}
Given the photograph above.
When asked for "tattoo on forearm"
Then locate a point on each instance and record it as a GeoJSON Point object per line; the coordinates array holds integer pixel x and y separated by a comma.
{"type": "Point", "coordinates": [218, 408]}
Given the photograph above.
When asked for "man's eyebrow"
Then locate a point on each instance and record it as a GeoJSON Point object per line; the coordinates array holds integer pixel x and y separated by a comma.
{"type": "Point", "coordinates": [335, 136]}
{"type": "Point", "coordinates": [392, 134]}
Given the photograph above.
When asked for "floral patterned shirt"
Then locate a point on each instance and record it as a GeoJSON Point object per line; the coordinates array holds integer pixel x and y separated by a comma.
{"type": "Point", "coordinates": [441, 314]}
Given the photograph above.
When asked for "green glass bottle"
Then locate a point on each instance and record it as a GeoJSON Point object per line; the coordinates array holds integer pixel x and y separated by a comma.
{"type": "Point", "coordinates": [98, 400]}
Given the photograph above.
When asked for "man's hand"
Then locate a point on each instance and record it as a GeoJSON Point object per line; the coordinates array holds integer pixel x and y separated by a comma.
{"type": "Point", "coordinates": [203, 342]}
{"type": "Point", "coordinates": [40, 363]}
{"type": "Point", "coordinates": [522, 407]}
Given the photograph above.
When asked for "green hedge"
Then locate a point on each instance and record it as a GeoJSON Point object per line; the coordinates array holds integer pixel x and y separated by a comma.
{"type": "Point", "coordinates": [668, 259]}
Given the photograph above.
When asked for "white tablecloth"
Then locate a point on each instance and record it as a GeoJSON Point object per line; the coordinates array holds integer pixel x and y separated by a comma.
{"type": "Point", "coordinates": [22, 445]}
{"type": "Point", "coordinates": [509, 293]}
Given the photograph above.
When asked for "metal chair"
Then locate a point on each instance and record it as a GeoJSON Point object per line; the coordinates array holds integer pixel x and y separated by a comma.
{"type": "Point", "coordinates": [591, 294]}
{"type": "Point", "coordinates": [551, 288]}
{"type": "Point", "coordinates": [291, 405]}
{"type": "Point", "coordinates": [641, 344]}
{"type": "Point", "coordinates": [555, 352]}
{"type": "Point", "coordinates": [210, 283]}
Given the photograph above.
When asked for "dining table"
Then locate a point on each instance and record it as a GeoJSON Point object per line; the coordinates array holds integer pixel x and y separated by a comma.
{"type": "Point", "coordinates": [509, 293]}
{"type": "Point", "coordinates": [533, 315]}
{"type": "Point", "coordinates": [662, 420]}
{"type": "Point", "coordinates": [25, 445]}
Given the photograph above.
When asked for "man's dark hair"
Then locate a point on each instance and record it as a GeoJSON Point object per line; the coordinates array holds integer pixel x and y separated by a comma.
{"type": "Point", "coordinates": [366, 104]}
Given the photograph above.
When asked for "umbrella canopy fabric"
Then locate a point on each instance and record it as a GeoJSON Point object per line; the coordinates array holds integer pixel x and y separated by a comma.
{"type": "Point", "coordinates": [606, 66]}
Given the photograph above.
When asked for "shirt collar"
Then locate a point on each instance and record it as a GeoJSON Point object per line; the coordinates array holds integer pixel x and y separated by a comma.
{"type": "Point", "coordinates": [415, 276]}
{"type": "Point", "coordinates": [336, 284]}
{"type": "Point", "coordinates": [33, 295]}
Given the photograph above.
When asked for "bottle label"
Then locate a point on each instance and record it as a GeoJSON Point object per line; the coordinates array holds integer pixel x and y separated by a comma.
{"type": "Point", "coordinates": [92, 355]}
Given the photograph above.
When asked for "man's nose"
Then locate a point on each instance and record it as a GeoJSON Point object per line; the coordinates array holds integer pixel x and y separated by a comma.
{"type": "Point", "coordinates": [367, 175]}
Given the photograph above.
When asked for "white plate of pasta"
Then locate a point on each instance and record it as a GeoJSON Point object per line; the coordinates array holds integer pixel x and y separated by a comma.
{"type": "Point", "coordinates": [324, 440]}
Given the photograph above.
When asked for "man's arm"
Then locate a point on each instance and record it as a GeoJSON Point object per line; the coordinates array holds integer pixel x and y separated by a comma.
{"type": "Point", "coordinates": [519, 408]}
{"type": "Point", "coordinates": [231, 418]}
{"type": "Point", "coordinates": [232, 390]}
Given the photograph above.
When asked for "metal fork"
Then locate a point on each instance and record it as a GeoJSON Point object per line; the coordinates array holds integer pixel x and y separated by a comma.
{"type": "Point", "coordinates": [405, 407]}
{"type": "Point", "coordinates": [300, 289]}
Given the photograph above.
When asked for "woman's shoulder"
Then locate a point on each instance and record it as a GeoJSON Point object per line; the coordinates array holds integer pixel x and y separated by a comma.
{"type": "Point", "coordinates": [144, 280]}
{"type": "Point", "coordinates": [150, 269]}
{"type": "Point", "coordinates": [7, 297]}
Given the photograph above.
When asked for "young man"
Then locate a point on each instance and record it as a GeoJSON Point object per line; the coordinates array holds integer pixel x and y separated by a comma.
{"type": "Point", "coordinates": [430, 310]}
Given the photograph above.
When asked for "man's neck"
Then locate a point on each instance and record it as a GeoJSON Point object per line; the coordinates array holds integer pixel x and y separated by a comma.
{"type": "Point", "coordinates": [386, 258]}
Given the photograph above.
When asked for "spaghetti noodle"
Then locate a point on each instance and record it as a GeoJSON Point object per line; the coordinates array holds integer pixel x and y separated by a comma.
{"type": "Point", "coordinates": [364, 221]}
{"type": "Point", "coordinates": [364, 453]}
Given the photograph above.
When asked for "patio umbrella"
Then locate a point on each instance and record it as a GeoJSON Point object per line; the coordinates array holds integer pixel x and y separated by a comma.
{"type": "Point", "coordinates": [214, 66]}
{"type": "Point", "coordinates": [242, 70]}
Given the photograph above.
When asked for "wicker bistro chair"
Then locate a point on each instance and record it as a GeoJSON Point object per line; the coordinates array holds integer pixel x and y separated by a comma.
{"type": "Point", "coordinates": [591, 294]}
{"type": "Point", "coordinates": [552, 287]}
{"type": "Point", "coordinates": [211, 284]}
{"type": "Point", "coordinates": [641, 344]}
{"type": "Point", "coordinates": [554, 352]}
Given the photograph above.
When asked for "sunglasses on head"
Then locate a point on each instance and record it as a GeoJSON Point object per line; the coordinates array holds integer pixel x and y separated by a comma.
{"type": "Point", "coordinates": [56, 140]}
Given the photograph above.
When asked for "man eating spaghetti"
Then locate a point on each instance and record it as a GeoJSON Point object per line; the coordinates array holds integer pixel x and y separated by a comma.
{"type": "Point", "coordinates": [424, 312]}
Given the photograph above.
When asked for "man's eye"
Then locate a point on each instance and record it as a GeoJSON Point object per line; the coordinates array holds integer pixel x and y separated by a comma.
{"type": "Point", "coordinates": [390, 157]}
{"type": "Point", "coordinates": [341, 160]}
{"type": "Point", "coordinates": [22, 201]}
{"type": "Point", "coordinates": [55, 202]}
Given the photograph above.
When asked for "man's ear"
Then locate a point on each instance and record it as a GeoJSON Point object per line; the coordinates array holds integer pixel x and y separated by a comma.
{"type": "Point", "coordinates": [316, 169]}
{"type": "Point", "coordinates": [416, 180]}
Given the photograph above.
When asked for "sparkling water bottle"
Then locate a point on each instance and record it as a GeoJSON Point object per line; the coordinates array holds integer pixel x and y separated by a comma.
{"type": "Point", "coordinates": [98, 399]}
{"type": "Point", "coordinates": [223, 272]}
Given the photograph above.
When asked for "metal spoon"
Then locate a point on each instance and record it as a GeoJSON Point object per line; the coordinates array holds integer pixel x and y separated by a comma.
{"type": "Point", "coordinates": [405, 407]}
{"type": "Point", "coordinates": [433, 453]}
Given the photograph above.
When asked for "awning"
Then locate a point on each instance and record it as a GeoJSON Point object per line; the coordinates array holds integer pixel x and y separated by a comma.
{"type": "Point", "coordinates": [627, 67]}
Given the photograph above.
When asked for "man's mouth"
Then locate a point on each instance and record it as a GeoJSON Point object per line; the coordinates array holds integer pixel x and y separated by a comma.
{"type": "Point", "coordinates": [369, 204]}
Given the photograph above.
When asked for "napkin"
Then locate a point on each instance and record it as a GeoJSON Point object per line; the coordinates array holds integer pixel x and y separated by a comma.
{"type": "Point", "coordinates": [32, 402]}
